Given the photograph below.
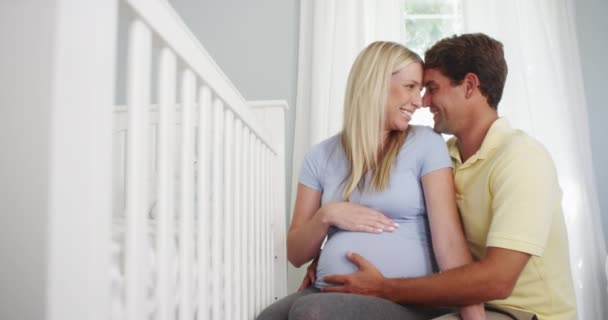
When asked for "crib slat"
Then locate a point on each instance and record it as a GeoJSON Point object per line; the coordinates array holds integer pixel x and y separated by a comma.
{"type": "Point", "coordinates": [270, 221]}
{"type": "Point", "coordinates": [270, 229]}
{"type": "Point", "coordinates": [166, 182]}
{"type": "Point", "coordinates": [267, 229]}
{"type": "Point", "coordinates": [251, 230]}
{"type": "Point", "coordinates": [261, 235]}
{"type": "Point", "coordinates": [186, 219]}
{"type": "Point", "coordinates": [254, 226]}
{"type": "Point", "coordinates": [239, 211]}
{"type": "Point", "coordinates": [228, 211]}
{"type": "Point", "coordinates": [218, 210]}
{"type": "Point", "coordinates": [204, 201]}
{"type": "Point", "coordinates": [245, 225]}
{"type": "Point", "coordinates": [258, 224]}
{"type": "Point", "coordinates": [137, 168]}
{"type": "Point", "coordinates": [262, 204]}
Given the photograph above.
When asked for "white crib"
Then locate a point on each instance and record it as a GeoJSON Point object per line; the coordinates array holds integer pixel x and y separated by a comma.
{"type": "Point", "coordinates": [171, 205]}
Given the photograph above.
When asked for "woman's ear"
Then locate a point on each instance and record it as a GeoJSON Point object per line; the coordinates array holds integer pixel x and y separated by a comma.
{"type": "Point", "coordinates": [471, 84]}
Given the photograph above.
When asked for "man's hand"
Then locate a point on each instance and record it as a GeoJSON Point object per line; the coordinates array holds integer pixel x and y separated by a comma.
{"type": "Point", "coordinates": [311, 275]}
{"type": "Point", "coordinates": [367, 281]}
{"type": "Point", "coordinates": [473, 312]}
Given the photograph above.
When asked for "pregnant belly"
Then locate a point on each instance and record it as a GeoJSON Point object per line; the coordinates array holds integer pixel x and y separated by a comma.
{"type": "Point", "coordinates": [405, 252]}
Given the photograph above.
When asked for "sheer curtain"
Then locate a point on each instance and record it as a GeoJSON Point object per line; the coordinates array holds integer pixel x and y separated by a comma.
{"type": "Point", "coordinates": [544, 96]}
{"type": "Point", "coordinates": [332, 33]}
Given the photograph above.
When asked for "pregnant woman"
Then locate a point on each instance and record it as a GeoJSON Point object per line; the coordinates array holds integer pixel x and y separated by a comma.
{"type": "Point", "coordinates": [379, 188]}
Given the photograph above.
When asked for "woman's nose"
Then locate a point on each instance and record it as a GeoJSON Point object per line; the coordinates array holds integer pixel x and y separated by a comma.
{"type": "Point", "coordinates": [417, 101]}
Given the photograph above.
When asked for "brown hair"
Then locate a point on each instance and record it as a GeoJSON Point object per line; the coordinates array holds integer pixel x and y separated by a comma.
{"type": "Point", "coordinates": [471, 53]}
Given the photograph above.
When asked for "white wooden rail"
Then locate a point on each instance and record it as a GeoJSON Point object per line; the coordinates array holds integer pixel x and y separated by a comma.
{"type": "Point", "coordinates": [199, 185]}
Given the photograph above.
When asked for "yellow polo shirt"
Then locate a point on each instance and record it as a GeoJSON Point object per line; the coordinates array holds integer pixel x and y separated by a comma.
{"type": "Point", "coordinates": [508, 196]}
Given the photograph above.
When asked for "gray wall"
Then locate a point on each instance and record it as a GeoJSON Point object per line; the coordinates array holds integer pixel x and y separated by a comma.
{"type": "Point", "coordinates": [591, 30]}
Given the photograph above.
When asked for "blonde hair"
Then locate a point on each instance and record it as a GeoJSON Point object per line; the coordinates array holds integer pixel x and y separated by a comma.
{"type": "Point", "coordinates": [364, 111]}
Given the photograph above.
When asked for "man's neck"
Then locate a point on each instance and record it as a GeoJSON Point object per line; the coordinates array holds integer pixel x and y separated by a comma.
{"type": "Point", "coordinates": [470, 139]}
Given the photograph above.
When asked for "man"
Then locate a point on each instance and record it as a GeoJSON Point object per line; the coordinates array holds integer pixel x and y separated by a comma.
{"type": "Point", "coordinates": [507, 193]}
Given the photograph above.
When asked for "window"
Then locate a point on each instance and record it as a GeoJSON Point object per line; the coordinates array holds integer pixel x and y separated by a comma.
{"type": "Point", "coordinates": [426, 22]}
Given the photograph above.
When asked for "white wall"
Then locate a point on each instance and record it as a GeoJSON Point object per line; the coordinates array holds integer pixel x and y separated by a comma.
{"type": "Point", "coordinates": [591, 30]}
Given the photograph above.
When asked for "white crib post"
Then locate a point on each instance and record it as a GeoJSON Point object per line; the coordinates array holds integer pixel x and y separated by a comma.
{"type": "Point", "coordinates": [55, 167]}
{"type": "Point", "coordinates": [204, 201]}
{"type": "Point", "coordinates": [240, 212]}
{"type": "Point", "coordinates": [262, 227]}
{"type": "Point", "coordinates": [187, 196]}
{"type": "Point", "coordinates": [247, 219]}
{"type": "Point", "coordinates": [166, 183]}
{"type": "Point", "coordinates": [252, 228]}
{"type": "Point", "coordinates": [228, 211]}
{"type": "Point", "coordinates": [269, 212]}
{"type": "Point", "coordinates": [218, 210]}
{"type": "Point", "coordinates": [270, 223]}
{"type": "Point", "coordinates": [266, 214]}
{"type": "Point", "coordinates": [258, 225]}
{"type": "Point", "coordinates": [137, 168]}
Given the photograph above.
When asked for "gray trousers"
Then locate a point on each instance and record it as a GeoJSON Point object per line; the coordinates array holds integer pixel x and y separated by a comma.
{"type": "Point", "coordinates": [310, 304]}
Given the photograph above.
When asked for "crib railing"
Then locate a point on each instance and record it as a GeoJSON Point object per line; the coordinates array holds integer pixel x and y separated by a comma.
{"type": "Point", "coordinates": [199, 188]}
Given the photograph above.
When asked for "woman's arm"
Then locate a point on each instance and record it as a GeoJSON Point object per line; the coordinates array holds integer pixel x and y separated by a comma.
{"type": "Point", "coordinates": [307, 229]}
{"type": "Point", "coordinates": [449, 244]}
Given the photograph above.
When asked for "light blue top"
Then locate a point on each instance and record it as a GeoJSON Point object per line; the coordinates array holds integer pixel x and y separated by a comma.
{"type": "Point", "coordinates": [405, 252]}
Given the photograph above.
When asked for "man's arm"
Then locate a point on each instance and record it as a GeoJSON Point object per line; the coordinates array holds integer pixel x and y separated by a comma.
{"type": "Point", "coordinates": [489, 279]}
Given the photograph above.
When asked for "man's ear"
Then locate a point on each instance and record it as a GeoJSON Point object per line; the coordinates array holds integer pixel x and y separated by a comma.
{"type": "Point", "coordinates": [471, 84]}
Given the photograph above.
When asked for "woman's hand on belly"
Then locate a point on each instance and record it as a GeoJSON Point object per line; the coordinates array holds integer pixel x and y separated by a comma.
{"type": "Point", "coordinates": [355, 217]}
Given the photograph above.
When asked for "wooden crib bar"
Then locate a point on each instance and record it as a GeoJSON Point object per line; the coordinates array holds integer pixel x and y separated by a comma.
{"type": "Point", "coordinates": [137, 169]}
{"type": "Point", "coordinates": [166, 186]}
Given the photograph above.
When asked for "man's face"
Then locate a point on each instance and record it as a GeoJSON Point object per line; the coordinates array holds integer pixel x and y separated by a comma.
{"type": "Point", "coordinates": [444, 101]}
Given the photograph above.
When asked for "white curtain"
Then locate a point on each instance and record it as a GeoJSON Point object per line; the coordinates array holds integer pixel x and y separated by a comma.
{"type": "Point", "coordinates": [332, 33]}
{"type": "Point", "coordinates": [544, 96]}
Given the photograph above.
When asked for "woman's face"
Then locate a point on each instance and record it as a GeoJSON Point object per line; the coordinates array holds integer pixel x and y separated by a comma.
{"type": "Point", "coordinates": [403, 97]}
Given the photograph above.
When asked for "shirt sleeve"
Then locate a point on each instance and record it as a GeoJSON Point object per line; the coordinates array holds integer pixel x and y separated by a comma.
{"type": "Point", "coordinates": [526, 195]}
{"type": "Point", "coordinates": [435, 154]}
{"type": "Point", "coordinates": [310, 172]}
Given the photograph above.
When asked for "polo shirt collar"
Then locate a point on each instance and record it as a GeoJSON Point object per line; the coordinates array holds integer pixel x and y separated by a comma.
{"type": "Point", "coordinates": [494, 137]}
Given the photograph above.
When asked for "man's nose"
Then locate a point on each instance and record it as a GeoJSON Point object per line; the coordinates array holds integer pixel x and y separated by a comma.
{"type": "Point", "coordinates": [426, 100]}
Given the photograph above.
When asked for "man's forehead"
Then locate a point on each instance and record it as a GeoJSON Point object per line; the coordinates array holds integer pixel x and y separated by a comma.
{"type": "Point", "coordinates": [432, 76]}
